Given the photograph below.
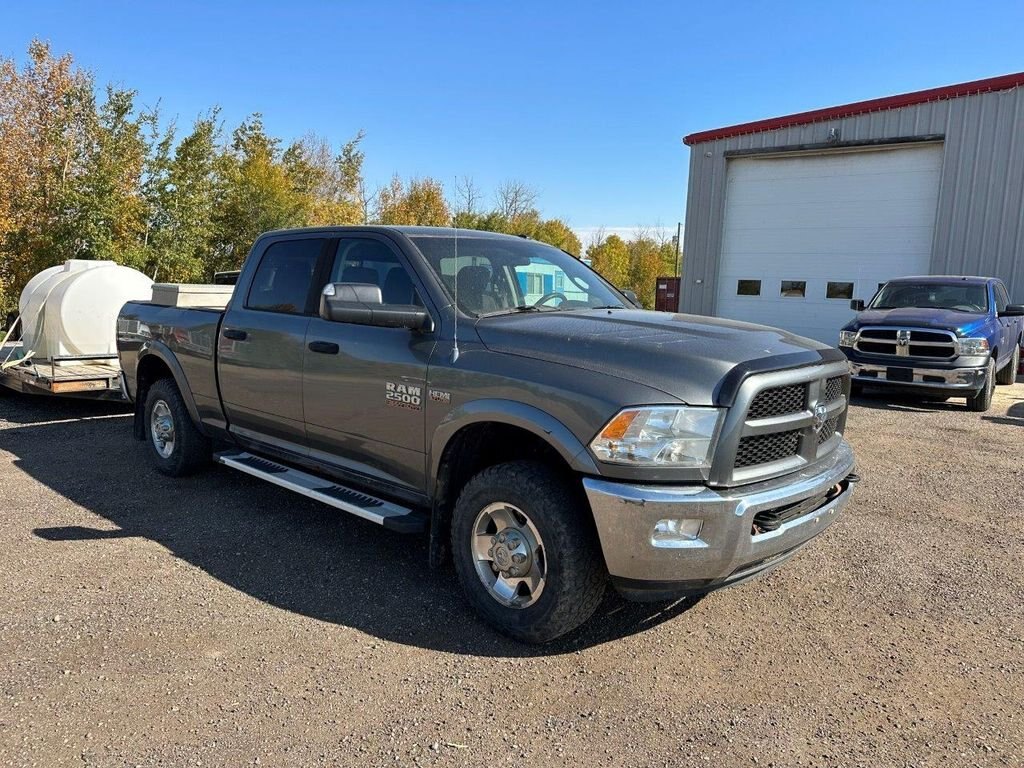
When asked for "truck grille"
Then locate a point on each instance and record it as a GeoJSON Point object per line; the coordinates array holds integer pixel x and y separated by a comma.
{"type": "Point", "coordinates": [791, 418]}
{"type": "Point", "coordinates": [907, 342]}
{"type": "Point", "coordinates": [778, 401]}
{"type": "Point", "coordinates": [762, 449]}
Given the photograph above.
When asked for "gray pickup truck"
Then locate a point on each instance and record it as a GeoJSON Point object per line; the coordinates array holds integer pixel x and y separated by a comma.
{"type": "Point", "coordinates": [501, 395]}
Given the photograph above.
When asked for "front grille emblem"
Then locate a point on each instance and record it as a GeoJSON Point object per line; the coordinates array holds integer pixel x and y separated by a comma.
{"type": "Point", "coordinates": [903, 338]}
{"type": "Point", "coordinates": [820, 417]}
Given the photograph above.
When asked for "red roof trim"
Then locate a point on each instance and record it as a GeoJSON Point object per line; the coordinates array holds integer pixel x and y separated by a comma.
{"type": "Point", "coordinates": [1001, 83]}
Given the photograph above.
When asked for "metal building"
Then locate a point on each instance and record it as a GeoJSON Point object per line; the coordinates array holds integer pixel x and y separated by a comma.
{"type": "Point", "coordinates": [789, 218]}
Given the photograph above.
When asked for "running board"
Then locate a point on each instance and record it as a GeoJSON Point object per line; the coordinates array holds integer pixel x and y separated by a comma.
{"type": "Point", "coordinates": [391, 516]}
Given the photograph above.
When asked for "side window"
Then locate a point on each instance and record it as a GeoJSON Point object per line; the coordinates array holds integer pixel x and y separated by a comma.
{"type": "Point", "coordinates": [363, 260]}
{"type": "Point", "coordinates": [836, 290]}
{"type": "Point", "coordinates": [284, 277]}
{"type": "Point", "coordinates": [794, 288]}
{"type": "Point", "coordinates": [748, 287]}
{"type": "Point", "coordinates": [1002, 299]}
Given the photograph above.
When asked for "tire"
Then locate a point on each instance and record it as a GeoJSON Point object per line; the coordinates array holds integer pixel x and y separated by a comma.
{"type": "Point", "coordinates": [1009, 373]}
{"type": "Point", "coordinates": [982, 401]}
{"type": "Point", "coordinates": [187, 449]}
{"type": "Point", "coordinates": [555, 560]}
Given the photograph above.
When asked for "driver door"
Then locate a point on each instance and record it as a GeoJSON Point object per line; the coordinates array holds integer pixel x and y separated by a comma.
{"type": "Point", "coordinates": [364, 387]}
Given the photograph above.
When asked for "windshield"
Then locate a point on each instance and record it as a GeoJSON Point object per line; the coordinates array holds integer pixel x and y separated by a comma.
{"type": "Point", "coordinates": [498, 275]}
{"type": "Point", "coordinates": [962, 297]}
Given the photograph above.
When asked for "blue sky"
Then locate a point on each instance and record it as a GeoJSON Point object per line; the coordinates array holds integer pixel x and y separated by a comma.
{"type": "Point", "coordinates": [587, 102]}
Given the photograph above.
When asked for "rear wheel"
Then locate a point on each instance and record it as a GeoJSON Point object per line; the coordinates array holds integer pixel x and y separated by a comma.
{"type": "Point", "coordinates": [526, 552]}
{"type": "Point", "coordinates": [982, 401]}
{"type": "Point", "coordinates": [174, 443]}
{"type": "Point", "coordinates": [1009, 374]}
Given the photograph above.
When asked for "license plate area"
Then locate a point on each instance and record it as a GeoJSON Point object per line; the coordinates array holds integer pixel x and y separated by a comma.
{"type": "Point", "coordinates": [900, 374]}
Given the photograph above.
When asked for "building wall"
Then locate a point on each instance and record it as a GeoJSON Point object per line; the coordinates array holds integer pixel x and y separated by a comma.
{"type": "Point", "coordinates": [979, 227]}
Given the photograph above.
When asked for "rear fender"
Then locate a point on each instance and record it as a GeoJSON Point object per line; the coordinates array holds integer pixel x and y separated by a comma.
{"type": "Point", "coordinates": [159, 350]}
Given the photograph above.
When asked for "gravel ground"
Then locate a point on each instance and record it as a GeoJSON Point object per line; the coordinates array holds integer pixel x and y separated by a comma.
{"type": "Point", "coordinates": [221, 621]}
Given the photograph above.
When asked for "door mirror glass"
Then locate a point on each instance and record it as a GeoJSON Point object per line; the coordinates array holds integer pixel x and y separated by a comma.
{"type": "Point", "coordinates": [1013, 310]}
{"type": "Point", "coordinates": [857, 305]}
{"type": "Point", "coordinates": [361, 304]}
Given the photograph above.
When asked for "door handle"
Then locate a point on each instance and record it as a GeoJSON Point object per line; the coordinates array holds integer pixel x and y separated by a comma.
{"type": "Point", "coordinates": [324, 347]}
{"type": "Point", "coordinates": [235, 334]}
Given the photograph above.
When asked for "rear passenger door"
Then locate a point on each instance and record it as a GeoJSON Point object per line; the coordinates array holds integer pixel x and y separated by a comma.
{"type": "Point", "coordinates": [262, 341]}
{"type": "Point", "coordinates": [364, 387]}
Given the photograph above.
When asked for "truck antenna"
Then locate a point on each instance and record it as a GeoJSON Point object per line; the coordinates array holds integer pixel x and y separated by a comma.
{"type": "Point", "coordinates": [455, 333]}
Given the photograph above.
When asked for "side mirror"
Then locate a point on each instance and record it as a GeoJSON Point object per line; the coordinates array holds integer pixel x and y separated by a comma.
{"type": "Point", "coordinates": [361, 304]}
{"type": "Point", "coordinates": [857, 305]}
{"type": "Point", "coordinates": [1013, 310]}
{"type": "Point", "coordinates": [631, 295]}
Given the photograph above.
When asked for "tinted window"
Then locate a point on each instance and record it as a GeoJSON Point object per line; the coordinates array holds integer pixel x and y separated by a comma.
{"type": "Point", "coordinates": [961, 296]}
{"type": "Point", "coordinates": [285, 276]}
{"type": "Point", "coordinates": [502, 274]}
{"type": "Point", "coordinates": [794, 288]}
{"type": "Point", "coordinates": [748, 287]}
{"type": "Point", "coordinates": [839, 291]}
{"type": "Point", "coordinates": [362, 260]}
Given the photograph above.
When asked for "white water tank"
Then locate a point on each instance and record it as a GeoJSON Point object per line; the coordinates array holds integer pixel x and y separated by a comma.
{"type": "Point", "coordinates": [72, 309]}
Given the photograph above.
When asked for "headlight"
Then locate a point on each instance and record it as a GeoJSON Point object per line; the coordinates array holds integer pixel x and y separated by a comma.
{"type": "Point", "coordinates": [973, 346]}
{"type": "Point", "coordinates": [659, 436]}
{"type": "Point", "coordinates": [846, 338]}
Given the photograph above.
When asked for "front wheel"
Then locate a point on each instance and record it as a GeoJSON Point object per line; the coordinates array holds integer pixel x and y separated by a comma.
{"type": "Point", "coordinates": [175, 445]}
{"type": "Point", "coordinates": [1009, 374]}
{"type": "Point", "coordinates": [526, 552]}
{"type": "Point", "coordinates": [982, 401]}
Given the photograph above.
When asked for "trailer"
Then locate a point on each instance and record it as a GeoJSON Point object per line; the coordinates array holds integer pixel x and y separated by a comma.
{"type": "Point", "coordinates": [96, 377]}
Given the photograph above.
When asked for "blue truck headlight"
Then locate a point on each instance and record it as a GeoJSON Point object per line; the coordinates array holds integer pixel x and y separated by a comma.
{"type": "Point", "coordinates": [847, 338]}
{"type": "Point", "coordinates": [659, 436]}
{"type": "Point", "coordinates": [974, 346]}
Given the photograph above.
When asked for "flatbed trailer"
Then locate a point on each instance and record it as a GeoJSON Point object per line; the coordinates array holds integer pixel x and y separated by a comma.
{"type": "Point", "coordinates": [96, 377]}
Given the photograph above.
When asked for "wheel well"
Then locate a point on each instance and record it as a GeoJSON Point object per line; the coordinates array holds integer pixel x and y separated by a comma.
{"type": "Point", "coordinates": [471, 450]}
{"type": "Point", "coordinates": [151, 369]}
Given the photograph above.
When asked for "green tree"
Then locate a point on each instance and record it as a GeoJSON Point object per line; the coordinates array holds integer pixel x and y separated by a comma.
{"type": "Point", "coordinates": [46, 110]}
{"type": "Point", "coordinates": [254, 193]}
{"type": "Point", "coordinates": [421, 202]}
{"type": "Point", "coordinates": [645, 266]}
{"type": "Point", "coordinates": [557, 233]}
{"type": "Point", "coordinates": [106, 213]}
{"type": "Point", "coordinates": [610, 257]}
{"type": "Point", "coordinates": [328, 185]}
{"type": "Point", "coordinates": [184, 186]}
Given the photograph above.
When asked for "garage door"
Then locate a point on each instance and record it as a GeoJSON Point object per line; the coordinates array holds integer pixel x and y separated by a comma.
{"type": "Point", "coordinates": [803, 233]}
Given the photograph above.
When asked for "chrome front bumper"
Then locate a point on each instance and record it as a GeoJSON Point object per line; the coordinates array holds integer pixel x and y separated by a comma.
{"type": "Point", "coordinates": [726, 550]}
{"type": "Point", "coordinates": [969, 379]}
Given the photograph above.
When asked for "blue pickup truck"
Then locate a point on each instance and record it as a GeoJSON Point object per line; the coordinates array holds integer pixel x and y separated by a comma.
{"type": "Point", "coordinates": [936, 336]}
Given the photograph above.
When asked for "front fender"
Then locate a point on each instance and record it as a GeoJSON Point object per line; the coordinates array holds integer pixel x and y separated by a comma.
{"type": "Point", "coordinates": [515, 414]}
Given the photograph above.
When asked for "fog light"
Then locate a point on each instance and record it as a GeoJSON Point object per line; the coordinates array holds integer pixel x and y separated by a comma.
{"type": "Point", "coordinates": [673, 532]}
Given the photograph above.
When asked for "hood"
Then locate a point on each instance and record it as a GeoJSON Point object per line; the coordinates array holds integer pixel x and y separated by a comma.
{"type": "Point", "coordinates": [919, 317]}
{"type": "Point", "coordinates": [685, 356]}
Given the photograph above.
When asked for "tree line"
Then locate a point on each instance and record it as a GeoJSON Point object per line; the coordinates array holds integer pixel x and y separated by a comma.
{"type": "Point", "coordinates": [90, 177]}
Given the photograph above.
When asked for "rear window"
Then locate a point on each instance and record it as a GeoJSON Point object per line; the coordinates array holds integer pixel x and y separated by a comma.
{"type": "Point", "coordinates": [284, 278]}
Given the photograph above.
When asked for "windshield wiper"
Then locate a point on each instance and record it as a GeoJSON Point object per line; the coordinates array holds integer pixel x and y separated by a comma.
{"type": "Point", "coordinates": [511, 310]}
